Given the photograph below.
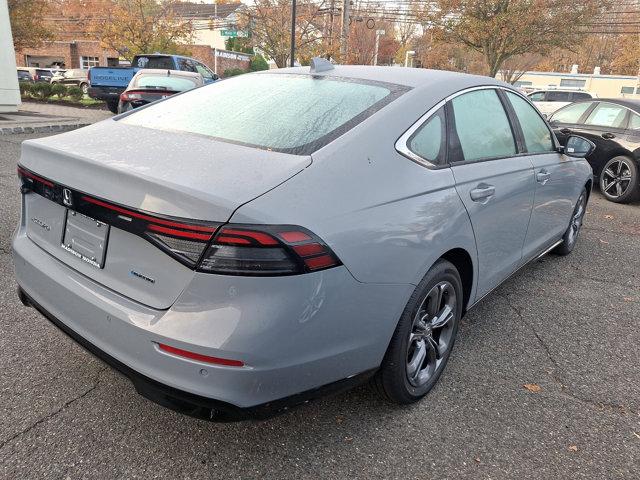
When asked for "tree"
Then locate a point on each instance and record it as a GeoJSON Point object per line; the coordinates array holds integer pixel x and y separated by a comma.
{"type": "Point", "coordinates": [133, 27]}
{"type": "Point", "coordinates": [269, 22]}
{"type": "Point", "coordinates": [28, 24]}
{"type": "Point", "coordinates": [502, 29]}
{"type": "Point", "coordinates": [627, 61]}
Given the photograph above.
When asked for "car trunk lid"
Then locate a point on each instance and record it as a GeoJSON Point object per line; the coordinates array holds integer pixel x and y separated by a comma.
{"type": "Point", "coordinates": [127, 202]}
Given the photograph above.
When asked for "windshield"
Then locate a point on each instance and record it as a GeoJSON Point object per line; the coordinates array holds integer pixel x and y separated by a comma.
{"type": "Point", "coordinates": [165, 82]}
{"type": "Point", "coordinates": [282, 112]}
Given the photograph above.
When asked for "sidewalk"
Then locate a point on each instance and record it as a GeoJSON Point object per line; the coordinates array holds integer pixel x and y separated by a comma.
{"type": "Point", "coordinates": [34, 117]}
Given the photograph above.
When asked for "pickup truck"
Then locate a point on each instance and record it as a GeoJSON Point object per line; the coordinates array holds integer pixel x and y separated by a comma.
{"type": "Point", "coordinates": [107, 83]}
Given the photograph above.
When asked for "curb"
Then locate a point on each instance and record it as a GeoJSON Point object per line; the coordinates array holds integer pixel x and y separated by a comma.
{"type": "Point", "coordinates": [42, 128]}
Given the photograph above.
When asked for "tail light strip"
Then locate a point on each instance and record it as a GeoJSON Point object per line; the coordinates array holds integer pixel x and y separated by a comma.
{"type": "Point", "coordinates": [232, 249]}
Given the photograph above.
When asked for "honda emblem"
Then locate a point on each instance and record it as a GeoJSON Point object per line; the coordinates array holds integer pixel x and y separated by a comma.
{"type": "Point", "coordinates": [67, 199]}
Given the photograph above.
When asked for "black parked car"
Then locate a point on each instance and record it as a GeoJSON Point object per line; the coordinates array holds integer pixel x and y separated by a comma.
{"type": "Point", "coordinates": [24, 76]}
{"type": "Point", "coordinates": [614, 126]}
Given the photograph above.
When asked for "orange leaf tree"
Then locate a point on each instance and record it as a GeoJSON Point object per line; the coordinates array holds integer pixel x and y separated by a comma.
{"type": "Point", "coordinates": [28, 23]}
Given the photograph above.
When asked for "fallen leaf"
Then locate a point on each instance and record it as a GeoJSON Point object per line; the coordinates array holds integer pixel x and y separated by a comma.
{"type": "Point", "coordinates": [348, 439]}
{"type": "Point", "coordinates": [636, 434]}
{"type": "Point", "coordinates": [604, 241]}
{"type": "Point", "coordinates": [532, 387]}
{"type": "Point", "coordinates": [477, 459]}
{"type": "Point", "coordinates": [608, 217]}
{"type": "Point", "coordinates": [628, 299]}
{"type": "Point", "coordinates": [573, 448]}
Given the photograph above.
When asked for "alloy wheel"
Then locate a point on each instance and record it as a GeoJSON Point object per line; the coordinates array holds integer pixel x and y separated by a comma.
{"type": "Point", "coordinates": [616, 178]}
{"type": "Point", "coordinates": [431, 333]}
{"type": "Point", "coordinates": [576, 219]}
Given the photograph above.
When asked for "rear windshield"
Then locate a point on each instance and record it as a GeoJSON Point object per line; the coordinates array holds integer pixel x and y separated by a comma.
{"type": "Point", "coordinates": [282, 112]}
{"type": "Point", "coordinates": [165, 82]}
{"type": "Point", "coordinates": [165, 63]}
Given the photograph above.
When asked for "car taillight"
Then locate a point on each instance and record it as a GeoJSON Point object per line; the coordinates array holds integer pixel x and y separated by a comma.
{"type": "Point", "coordinates": [266, 251]}
{"type": "Point", "coordinates": [128, 96]}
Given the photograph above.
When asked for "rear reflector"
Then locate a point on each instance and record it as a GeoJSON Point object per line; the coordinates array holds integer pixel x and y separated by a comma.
{"type": "Point", "coordinates": [266, 250]}
{"type": "Point", "coordinates": [199, 357]}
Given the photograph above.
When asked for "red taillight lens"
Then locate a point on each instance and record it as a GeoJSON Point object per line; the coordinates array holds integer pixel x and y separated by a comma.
{"type": "Point", "coordinates": [130, 95]}
{"type": "Point", "coordinates": [266, 251]}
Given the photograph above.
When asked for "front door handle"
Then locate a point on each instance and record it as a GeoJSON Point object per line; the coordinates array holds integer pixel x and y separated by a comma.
{"type": "Point", "coordinates": [566, 131]}
{"type": "Point", "coordinates": [608, 135]}
{"type": "Point", "coordinates": [482, 192]}
{"type": "Point", "coordinates": [542, 176]}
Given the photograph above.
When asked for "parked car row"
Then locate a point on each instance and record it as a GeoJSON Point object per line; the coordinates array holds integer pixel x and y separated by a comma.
{"type": "Point", "coordinates": [74, 76]}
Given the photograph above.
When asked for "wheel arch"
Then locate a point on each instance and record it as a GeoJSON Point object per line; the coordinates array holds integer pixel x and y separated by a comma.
{"type": "Point", "coordinates": [463, 262]}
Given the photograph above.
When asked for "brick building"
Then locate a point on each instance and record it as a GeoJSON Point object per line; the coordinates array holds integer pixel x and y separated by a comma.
{"type": "Point", "coordinates": [68, 54]}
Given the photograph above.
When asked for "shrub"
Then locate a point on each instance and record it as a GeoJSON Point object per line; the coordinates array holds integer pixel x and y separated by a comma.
{"type": "Point", "coordinates": [59, 89]}
{"type": "Point", "coordinates": [232, 72]}
{"type": "Point", "coordinates": [25, 89]}
{"type": "Point", "coordinates": [258, 63]}
{"type": "Point", "coordinates": [75, 93]}
{"type": "Point", "coordinates": [41, 90]}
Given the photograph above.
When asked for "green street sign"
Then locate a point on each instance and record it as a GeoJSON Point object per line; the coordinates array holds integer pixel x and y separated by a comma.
{"type": "Point", "coordinates": [233, 33]}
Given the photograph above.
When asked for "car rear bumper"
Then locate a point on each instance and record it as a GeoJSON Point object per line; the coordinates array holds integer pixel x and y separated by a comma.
{"type": "Point", "coordinates": [105, 93]}
{"type": "Point", "coordinates": [294, 347]}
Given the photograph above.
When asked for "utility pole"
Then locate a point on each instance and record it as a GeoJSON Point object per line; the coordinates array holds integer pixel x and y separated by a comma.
{"type": "Point", "coordinates": [375, 55]}
{"type": "Point", "coordinates": [293, 33]}
{"type": "Point", "coordinates": [344, 33]}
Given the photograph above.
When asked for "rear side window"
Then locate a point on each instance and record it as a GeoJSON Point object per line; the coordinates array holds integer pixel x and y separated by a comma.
{"type": "Point", "coordinates": [607, 115]}
{"type": "Point", "coordinates": [482, 126]}
{"type": "Point", "coordinates": [537, 97]}
{"type": "Point", "coordinates": [282, 112]}
{"type": "Point", "coordinates": [537, 136]}
{"type": "Point", "coordinates": [571, 113]}
{"type": "Point", "coordinates": [165, 63]}
{"type": "Point", "coordinates": [429, 140]}
{"type": "Point", "coordinates": [580, 96]}
{"type": "Point", "coordinates": [634, 122]}
{"type": "Point", "coordinates": [558, 96]}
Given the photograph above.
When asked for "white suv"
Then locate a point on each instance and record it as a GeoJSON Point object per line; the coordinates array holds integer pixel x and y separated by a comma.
{"type": "Point", "coordinates": [548, 101]}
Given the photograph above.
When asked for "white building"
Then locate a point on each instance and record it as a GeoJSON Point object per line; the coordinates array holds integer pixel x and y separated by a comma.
{"type": "Point", "coordinates": [213, 23]}
{"type": "Point", "coordinates": [9, 91]}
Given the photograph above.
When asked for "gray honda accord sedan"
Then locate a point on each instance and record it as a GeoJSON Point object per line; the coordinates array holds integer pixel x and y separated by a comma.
{"type": "Point", "coordinates": [254, 243]}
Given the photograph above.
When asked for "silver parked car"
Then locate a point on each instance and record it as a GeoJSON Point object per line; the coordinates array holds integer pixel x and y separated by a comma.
{"type": "Point", "coordinates": [256, 242]}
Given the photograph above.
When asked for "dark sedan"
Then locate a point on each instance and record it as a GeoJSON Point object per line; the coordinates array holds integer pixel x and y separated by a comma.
{"type": "Point", "coordinates": [614, 126]}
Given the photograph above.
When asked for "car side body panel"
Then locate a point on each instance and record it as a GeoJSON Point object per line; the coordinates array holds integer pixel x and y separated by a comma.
{"type": "Point", "coordinates": [393, 218]}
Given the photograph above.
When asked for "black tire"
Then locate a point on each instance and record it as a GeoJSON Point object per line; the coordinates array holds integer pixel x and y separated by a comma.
{"type": "Point", "coordinates": [393, 379]}
{"type": "Point", "coordinates": [620, 180]}
{"type": "Point", "coordinates": [112, 105]}
{"type": "Point", "coordinates": [570, 237]}
{"type": "Point", "coordinates": [85, 88]}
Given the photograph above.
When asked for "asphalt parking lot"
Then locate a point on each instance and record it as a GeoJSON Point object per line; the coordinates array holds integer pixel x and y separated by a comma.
{"type": "Point", "coordinates": [568, 328]}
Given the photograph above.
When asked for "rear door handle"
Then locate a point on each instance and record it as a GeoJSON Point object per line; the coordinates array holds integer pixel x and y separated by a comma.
{"type": "Point", "coordinates": [542, 176]}
{"type": "Point", "coordinates": [566, 131]}
{"type": "Point", "coordinates": [608, 135]}
{"type": "Point", "coordinates": [482, 192]}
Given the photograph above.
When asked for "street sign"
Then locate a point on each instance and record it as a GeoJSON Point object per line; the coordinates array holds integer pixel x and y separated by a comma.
{"type": "Point", "coordinates": [233, 33]}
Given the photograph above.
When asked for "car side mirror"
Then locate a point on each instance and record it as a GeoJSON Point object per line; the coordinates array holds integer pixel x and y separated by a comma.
{"type": "Point", "coordinates": [578, 147]}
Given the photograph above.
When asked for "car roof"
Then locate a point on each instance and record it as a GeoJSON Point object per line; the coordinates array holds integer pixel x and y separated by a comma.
{"type": "Point", "coordinates": [407, 76]}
